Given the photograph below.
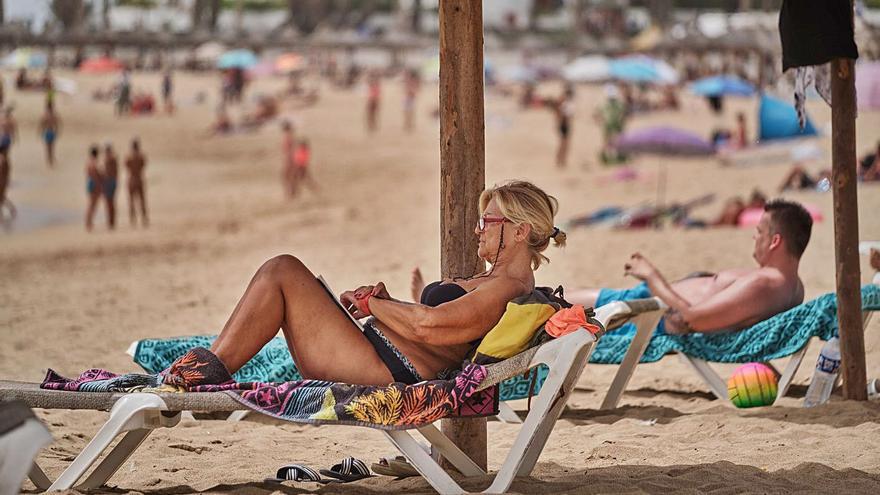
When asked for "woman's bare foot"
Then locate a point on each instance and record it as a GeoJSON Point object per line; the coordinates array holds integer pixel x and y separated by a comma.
{"type": "Point", "coordinates": [875, 259]}
{"type": "Point", "coordinates": [417, 285]}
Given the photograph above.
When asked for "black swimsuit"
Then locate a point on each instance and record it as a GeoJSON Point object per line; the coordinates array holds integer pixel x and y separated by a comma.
{"type": "Point", "coordinates": [402, 370]}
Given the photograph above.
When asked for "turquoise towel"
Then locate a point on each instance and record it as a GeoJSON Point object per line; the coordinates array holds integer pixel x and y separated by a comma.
{"type": "Point", "coordinates": [776, 337]}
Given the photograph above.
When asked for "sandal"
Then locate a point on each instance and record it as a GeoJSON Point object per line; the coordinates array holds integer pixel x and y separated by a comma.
{"type": "Point", "coordinates": [297, 472]}
{"type": "Point", "coordinates": [397, 466]}
{"type": "Point", "coordinates": [348, 470]}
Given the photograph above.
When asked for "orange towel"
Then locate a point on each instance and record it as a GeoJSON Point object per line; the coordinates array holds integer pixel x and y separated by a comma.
{"type": "Point", "coordinates": [567, 320]}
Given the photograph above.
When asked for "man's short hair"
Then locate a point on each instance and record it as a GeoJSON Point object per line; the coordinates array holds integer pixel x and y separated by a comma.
{"type": "Point", "coordinates": [793, 222]}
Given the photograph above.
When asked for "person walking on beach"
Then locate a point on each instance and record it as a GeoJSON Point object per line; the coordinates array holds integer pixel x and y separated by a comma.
{"type": "Point", "coordinates": [135, 163]}
{"type": "Point", "coordinates": [563, 108]}
{"type": "Point", "coordinates": [411, 84]}
{"type": "Point", "coordinates": [288, 150]}
{"type": "Point", "coordinates": [374, 95]}
{"type": "Point", "coordinates": [94, 182]}
{"type": "Point", "coordinates": [168, 92]}
{"type": "Point", "coordinates": [8, 129]}
{"type": "Point", "coordinates": [50, 124]}
{"type": "Point", "coordinates": [111, 179]}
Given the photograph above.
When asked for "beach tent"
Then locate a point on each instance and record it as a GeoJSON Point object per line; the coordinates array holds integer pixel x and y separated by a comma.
{"type": "Point", "coordinates": [24, 58]}
{"type": "Point", "coordinates": [722, 86]}
{"type": "Point", "coordinates": [642, 69]}
{"type": "Point", "coordinates": [593, 68]}
{"type": "Point", "coordinates": [101, 65]}
{"type": "Point", "coordinates": [778, 119]}
{"type": "Point", "coordinates": [868, 85]}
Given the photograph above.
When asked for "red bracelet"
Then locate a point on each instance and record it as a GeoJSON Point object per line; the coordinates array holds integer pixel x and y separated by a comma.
{"type": "Point", "coordinates": [363, 304]}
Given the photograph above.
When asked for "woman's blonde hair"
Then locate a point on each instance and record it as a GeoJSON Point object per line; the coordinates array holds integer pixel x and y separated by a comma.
{"type": "Point", "coordinates": [522, 202]}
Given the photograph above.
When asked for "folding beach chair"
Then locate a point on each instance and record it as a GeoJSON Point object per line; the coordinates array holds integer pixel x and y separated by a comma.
{"type": "Point", "coordinates": [701, 366]}
{"type": "Point", "coordinates": [137, 414]}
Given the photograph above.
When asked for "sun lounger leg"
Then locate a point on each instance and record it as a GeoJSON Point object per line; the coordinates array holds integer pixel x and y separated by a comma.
{"type": "Point", "coordinates": [715, 383]}
{"type": "Point", "coordinates": [424, 463]}
{"type": "Point", "coordinates": [39, 478]}
{"type": "Point", "coordinates": [566, 365]}
{"type": "Point", "coordinates": [645, 325]}
{"type": "Point", "coordinates": [506, 414]}
{"type": "Point", "coordinates": [135, 413]}
{"type": "Point", "coordinates": [790, 369]}
{"type": "Point", "coordinates": [444, 446]}
{"type": "Point", "coordinates": [237, 415]}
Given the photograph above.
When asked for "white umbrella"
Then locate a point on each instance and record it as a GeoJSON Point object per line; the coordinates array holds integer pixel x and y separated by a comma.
{"type": "Point", "coordinates": [587, 69]}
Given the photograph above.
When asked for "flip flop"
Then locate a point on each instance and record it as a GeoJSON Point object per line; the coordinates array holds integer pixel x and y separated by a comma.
{"type": "Point", "coordinates": [348, 470]}
{"type": "Point", "coordinates": [396, 466]}
{"type": "Point", "coordinates": [297, 472]}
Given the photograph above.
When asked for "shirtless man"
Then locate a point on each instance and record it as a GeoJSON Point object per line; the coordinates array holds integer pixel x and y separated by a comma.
{"type": "Point", "coordinates": [731, 299]}
{"type": "Point", "coordinates": [49, 126]}
{"type": "Point", "coordinates": [111, 179]}
{"type": "Point", "coordinates": [135, 163]}
{"type": "Point", "coordinates": [5, 173]}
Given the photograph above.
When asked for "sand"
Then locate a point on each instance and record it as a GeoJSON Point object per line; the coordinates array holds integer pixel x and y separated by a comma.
{"type": "Point", "coordinates": [71, 300]}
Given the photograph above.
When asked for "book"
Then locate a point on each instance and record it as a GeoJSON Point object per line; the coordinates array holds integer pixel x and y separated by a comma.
{"type": "Point", "coordinates": [342, 307]}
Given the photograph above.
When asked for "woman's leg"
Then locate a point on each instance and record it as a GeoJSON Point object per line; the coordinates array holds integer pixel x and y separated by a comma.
{"type": "Point", "coordinates": [324, 343]}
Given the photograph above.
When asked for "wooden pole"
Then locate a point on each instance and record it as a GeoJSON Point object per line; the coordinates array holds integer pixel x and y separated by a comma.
{"type": "Point", "coordinates": [462, 168]}
{"type": "Point", "coordinates": [846, 228]}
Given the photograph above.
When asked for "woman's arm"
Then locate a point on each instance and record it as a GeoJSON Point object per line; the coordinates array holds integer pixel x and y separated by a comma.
{"type": "Point", "coordinates": [460, 321]}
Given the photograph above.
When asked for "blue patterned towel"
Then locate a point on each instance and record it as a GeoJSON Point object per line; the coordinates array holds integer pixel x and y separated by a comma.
{"type": "Point", "coordinates": [776, 337]}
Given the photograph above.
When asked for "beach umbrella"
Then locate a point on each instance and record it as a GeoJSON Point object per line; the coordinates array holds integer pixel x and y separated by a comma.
{"type": "Point", "coordinates": [722, 86]}
{"type": "Point", "coordinates": [289, 62]}
{"type": "Point", "coordinates": [237, 59]}
{"type": "Point", "coordinates": [868, 84]}
{"type": "Point", "coordinates": [642, 69]}
{"type": "Point", "coordinates": [593, 68]}
{"type": "Point", "coordinates": [667, 141]}
{"type": "Point", "coordinates": [25, 58]}
{"type": "Point", "coordinates": [518, 73]}
{"type": "Point", "coordinates": [101, 65]}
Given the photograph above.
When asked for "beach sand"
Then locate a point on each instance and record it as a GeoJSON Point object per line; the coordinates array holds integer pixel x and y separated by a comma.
{"type": "Point", "coordinates": [71, 300]}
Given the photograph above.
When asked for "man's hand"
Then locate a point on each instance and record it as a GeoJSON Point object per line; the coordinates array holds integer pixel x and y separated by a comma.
{"type": "Point", "coordinates": [639, 267]}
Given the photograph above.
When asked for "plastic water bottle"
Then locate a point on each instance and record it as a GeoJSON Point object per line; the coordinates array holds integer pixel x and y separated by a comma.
{"type": "Point", "coordinates": [827, 367]}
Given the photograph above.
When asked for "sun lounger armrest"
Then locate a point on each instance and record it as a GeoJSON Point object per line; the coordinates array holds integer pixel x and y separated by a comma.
{"type": "Point", "coordinates": [615, 314]}
{"type": "Point", "coordinates": [639, 306]}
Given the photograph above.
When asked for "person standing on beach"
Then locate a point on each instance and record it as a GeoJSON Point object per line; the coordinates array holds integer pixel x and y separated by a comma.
{"type": "Point", "coordinates": [374, 94]}
{"type": "Point", "coordinates": [288, 169]}
{"type": "Point", "coordinates": [411, 85]}
{"type": "Point", "coordinates": [135, 163]}
{"type": "Point", "coordinates": [8, 130]}
{"type": "Point", "coordinates": [94, 182]}
{"type": "Point", "coordinates": [168, 92]}
{"type": "Point", "coordinates": [123, 98]}
{"type": "Point", "coordinates": [111, 179]}
{"type": "Point", "coordinates": [301, 160]}
{"type": "Point", "coordinates": [5, 173]}
{"type": "Point", "coordinates": [50, 124]}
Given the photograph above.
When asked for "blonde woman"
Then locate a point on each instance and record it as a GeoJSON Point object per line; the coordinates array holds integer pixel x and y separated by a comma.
{"type": "Point", "coordinates": [402, 341]}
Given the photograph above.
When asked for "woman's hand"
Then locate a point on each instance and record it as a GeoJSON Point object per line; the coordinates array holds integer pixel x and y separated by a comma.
{"type": "Point", "coordinates": [379, 291]}
{"type": "Point", "coordinates": [639, 267]}
{"type": "Point", "coordinates": [357, 301]}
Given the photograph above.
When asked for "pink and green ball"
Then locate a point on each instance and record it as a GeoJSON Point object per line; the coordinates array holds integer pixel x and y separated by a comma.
{"type": "Point", "coordinates": [752, 385]}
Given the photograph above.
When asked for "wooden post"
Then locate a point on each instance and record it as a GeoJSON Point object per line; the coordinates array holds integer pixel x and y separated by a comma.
{"type": "Point", "coordinates": [846, 228]}
{"type": "Point", "coordinates": [462, 168]}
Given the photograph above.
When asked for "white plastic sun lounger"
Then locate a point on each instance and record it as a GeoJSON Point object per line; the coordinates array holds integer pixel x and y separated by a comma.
{"type": "Point", "coordinates": [136, 415]}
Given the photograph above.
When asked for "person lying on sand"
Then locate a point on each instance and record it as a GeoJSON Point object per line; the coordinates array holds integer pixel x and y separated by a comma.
{"type": "Point", "coordinates": [731, 299]}
{"type": "Point", "coordinates": [402, 341]}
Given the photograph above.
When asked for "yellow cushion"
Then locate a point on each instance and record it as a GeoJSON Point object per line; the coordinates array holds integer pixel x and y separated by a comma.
{"type": "Point", "coordinates": [523, 318]}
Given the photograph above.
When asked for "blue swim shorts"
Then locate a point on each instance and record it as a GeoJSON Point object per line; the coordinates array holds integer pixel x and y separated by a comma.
{"type": "Point", "coordinates": [640, 291]}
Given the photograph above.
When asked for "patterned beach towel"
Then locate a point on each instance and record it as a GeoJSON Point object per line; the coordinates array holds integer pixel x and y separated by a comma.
{"type": "Point", "coordinates": [393, 407]}
{"type": "Point", "coordinates": [776, 337]}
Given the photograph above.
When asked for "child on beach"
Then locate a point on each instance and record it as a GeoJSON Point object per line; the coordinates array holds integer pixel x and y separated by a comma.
{"type": "Point", "coordinates": [301, 159]}
{"type": "Point", "coordinates": [288, 150]}
{"type": "Point", "coordinates": [94, 185]}
{"type": "Point", "coordinates": [374, 94]}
